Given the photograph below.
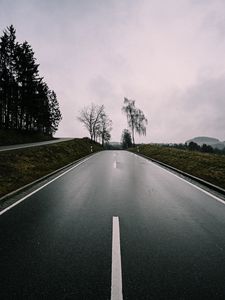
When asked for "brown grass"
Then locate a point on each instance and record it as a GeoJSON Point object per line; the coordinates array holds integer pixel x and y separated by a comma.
{"type": "Point", "coordinates": [210, 167]}
{"type": "Point", "coordinates": [22, 166]}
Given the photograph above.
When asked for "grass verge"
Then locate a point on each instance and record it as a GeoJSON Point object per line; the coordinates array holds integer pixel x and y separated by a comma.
{"type": "Point", "coordinates": [209, 167]}
{"type": "Point", "coordinates": [22, 166]}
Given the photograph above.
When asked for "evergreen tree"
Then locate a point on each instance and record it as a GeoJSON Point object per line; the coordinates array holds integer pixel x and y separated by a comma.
{"type": "Point", "coordinates": [27, 78]}
{"type": "Point", "coordinates": [8, 84]}
{"type": "Point", "coordinates": [126, 139]}
{"type": "Point", "coordinates": [54, 111]}
{"type": "Point", "coordinates": [26, 103]}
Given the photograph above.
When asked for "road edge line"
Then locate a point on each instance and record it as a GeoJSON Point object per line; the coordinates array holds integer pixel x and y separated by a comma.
{"type": "Point", "coordinates": [45, 177]}
{"type": "Point", "coordinates": [41, 187]}
{"type": "Point", "coordinates": [183, 179]}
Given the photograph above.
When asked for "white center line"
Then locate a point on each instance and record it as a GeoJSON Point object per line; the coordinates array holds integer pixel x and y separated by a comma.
{"type": "Point", "coordinates": [116, 287]}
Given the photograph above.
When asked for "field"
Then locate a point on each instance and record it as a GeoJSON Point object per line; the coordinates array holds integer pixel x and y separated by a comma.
{"type": "Point", "coordinates": [210, 167]}
{"type": "Point", "coordinates": [22, 166]}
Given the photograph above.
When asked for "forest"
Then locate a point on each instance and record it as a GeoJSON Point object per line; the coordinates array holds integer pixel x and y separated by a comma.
{"type": "Point", "coordinates": [26, 102]}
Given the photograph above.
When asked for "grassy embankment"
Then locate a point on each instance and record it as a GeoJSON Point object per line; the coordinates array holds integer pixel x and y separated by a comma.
{"type": "Point", "coordinates": [11, 137]}
{"type": "Point", "coordinates": [22, 166]}
{"type": "Point", "coordinates": [210, 167]}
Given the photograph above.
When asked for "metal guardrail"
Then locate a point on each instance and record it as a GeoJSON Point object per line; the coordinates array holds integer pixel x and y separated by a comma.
{"type": "Point", "coordinates": [194, 178]}
{"type": "Point", "coordinates": [39, 180]}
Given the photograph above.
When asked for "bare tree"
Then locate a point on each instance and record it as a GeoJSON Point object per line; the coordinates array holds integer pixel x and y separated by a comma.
{"type": "Point", "coordinates": [96, 121]}
{"type": "Point", "coordinates": [104, 127]}
{"type": "Point", "coordinates": [99, 110]}
{"type": "Point", "coordinates": [86, 117]}
{"type": "Point", "coordinates": [135, 118]}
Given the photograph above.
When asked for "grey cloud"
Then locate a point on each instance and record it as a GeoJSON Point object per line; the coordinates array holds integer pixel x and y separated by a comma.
{"type": "Point", "coordinates": [167, 55]}
{"type": "Point", "coordinates": [199, 110]}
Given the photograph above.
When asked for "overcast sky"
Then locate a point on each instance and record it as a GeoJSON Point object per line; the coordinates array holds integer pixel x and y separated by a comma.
{"type": "Point", "coordinates": [168, 55]}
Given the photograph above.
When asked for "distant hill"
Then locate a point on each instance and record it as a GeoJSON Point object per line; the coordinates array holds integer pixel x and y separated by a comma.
{"type": "Point", "coordinates": [215, 143]}
{"type": "Point", "coordinates": [220, 145]}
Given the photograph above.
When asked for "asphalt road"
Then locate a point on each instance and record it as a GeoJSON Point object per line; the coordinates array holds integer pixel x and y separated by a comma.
{"type": "Point", "coordinates": [57, 243]}
{"type": "Point", "coordinates": [28, 145]}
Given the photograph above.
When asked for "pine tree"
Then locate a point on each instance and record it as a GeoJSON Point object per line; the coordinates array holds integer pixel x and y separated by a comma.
{"type": "Point", "coordinates": [126, 139]}
{"type": "Point", "coordinates": [26, 102]}
{"type": "Point", "coordinates": [55, 114]}
{"type": "Point", "coordinates": [7, 81]}
{"type": "Point", "coordinates": [27, 77]}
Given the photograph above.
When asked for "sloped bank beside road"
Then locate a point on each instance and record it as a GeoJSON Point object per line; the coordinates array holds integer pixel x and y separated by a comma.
{"type": "Point", "coordinates": [23, 166]}
{"type": "Point", "coordinates": [209, 167]}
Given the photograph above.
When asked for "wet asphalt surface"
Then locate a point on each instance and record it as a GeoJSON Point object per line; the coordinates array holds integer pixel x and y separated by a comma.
{"type": "Point", "coordinates": [57, 243]}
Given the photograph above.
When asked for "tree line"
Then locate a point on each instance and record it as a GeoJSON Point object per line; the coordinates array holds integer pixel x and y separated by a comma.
{"type": "Point", "coordinates": [192, 146]}
{"type": "Point", "coordinates": [26, 102]}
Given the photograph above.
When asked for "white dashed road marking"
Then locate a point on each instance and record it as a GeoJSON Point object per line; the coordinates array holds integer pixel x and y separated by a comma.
{"type": "Point", "coordinates": [116, 287]}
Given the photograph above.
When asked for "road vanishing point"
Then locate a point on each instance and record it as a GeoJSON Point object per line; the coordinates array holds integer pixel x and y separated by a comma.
{"type": "Point", "coordinates": [115, 226]}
